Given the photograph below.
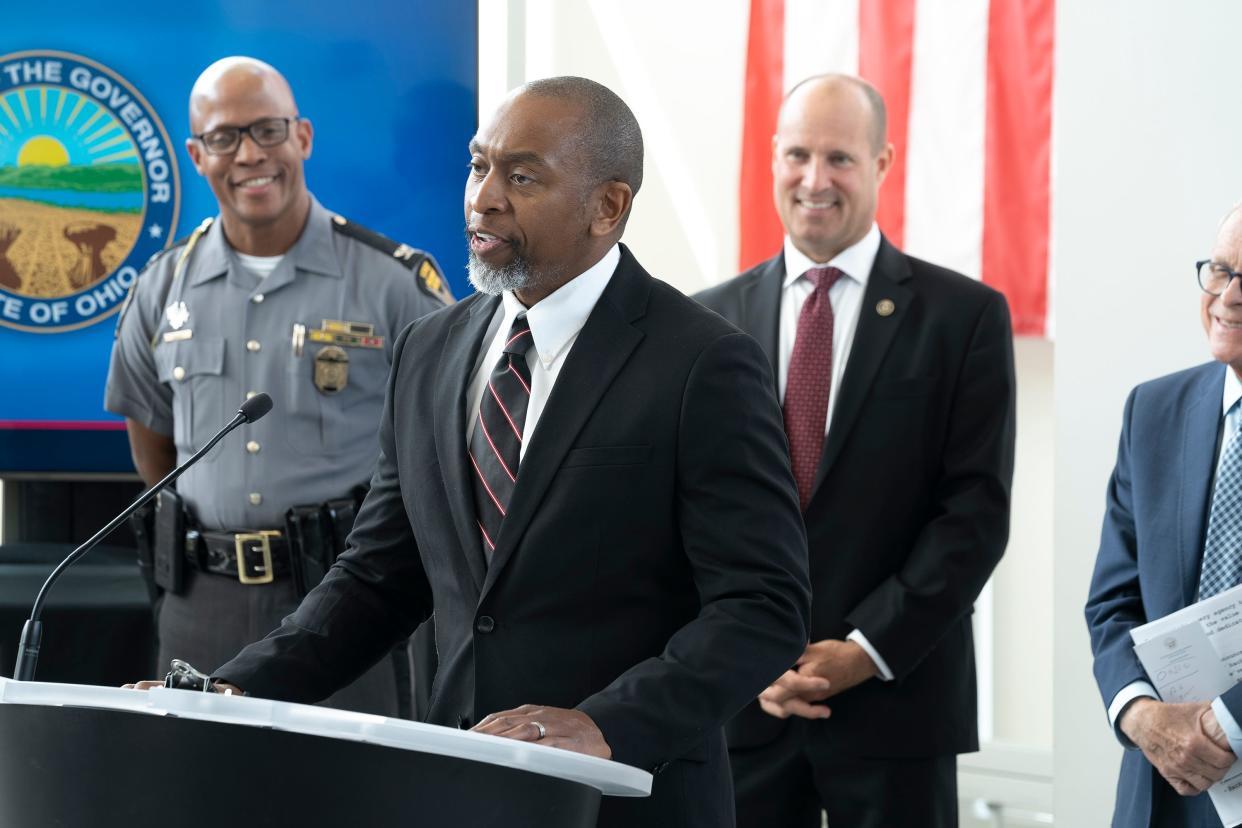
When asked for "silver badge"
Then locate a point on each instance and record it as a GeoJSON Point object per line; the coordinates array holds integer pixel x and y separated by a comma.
{"type": "Point", "coordinates": [178, 314]}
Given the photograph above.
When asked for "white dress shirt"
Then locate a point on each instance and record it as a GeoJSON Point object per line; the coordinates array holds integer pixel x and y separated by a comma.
{"type": "Point", "coordinates": [846, 297]}
{"type": "Point", "coordinates": [1232, 412]}
{"type": "Point", "coordinates": [555, 322]}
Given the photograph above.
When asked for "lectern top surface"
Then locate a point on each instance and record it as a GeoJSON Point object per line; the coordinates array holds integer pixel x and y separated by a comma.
{"type": "Point", "coordinates": [611, 778]}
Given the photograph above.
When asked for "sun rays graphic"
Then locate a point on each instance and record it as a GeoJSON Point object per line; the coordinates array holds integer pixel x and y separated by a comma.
{"type": "Point", "coordinates": [52, 126]}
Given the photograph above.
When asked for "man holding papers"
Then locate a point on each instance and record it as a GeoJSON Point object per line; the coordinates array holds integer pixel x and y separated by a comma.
{"type": "Point", "coordinates": [1172, 537]}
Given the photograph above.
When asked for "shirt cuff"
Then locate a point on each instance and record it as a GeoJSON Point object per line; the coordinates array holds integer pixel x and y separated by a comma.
{"type": "Point", "coordinates": [1229, 724]}
{"type": "Point", "coordinates": [1133, 690]}
{"type": "Point", "coordinates": [861, 640]}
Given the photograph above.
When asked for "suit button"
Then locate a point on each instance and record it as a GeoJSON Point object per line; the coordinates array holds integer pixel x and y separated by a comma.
{"type": "Point", "coordinates": [484, 624]}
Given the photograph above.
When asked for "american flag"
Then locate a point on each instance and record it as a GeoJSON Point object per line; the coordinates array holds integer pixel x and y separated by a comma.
{"type": "Point", "coordinates": [968, 84]}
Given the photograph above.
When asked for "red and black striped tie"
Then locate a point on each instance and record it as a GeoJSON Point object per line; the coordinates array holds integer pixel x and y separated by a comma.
{"type": "Point", "coordinates": [496, 444]}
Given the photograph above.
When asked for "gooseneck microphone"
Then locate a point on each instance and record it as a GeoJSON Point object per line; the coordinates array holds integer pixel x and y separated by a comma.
{"type": "Point", "coordinates": [32, 631]}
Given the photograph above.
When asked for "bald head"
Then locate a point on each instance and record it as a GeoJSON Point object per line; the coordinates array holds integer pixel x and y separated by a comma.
{"type": "Point", "coordinates": [829, 157]}
{"type": "Point", "coordinates": [238, 78]}
{"type": "Point", "coordinates": [836, 86]}
{"type": "Point", "coordinates": [256, 176]}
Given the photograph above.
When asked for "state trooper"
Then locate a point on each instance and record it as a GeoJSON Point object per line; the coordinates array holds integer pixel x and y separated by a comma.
{"type": "Point", "coordinates": [275, 295]}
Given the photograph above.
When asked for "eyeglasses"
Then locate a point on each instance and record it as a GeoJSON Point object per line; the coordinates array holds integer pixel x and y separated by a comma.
{"type": "Point", "coordinates": [1215, 277]}
{"type": "Point", "coordinates": [266, 132]}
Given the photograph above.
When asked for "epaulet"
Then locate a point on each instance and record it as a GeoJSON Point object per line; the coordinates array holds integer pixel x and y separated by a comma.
{"type": "Point", "coordinates": [430, 277]}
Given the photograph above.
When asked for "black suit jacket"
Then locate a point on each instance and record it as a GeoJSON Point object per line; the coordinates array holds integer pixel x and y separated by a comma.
{"type": "Point", "coordinates": [910, 513]}
{"type": "Point", "coordinates": [651, 570]}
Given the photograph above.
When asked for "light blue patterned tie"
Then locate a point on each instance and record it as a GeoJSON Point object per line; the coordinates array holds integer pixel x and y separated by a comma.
{"type": "Point", "coordinates": [1222, 553]}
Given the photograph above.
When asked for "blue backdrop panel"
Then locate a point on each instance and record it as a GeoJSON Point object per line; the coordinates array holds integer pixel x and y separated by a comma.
{"type": "Point", "coordinates": [390, 87]}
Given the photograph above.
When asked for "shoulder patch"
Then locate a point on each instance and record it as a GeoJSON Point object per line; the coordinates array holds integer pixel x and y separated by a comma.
{"type": "Point", "coordinates": [431, 280]}
{"type": "Point", "coordinates": [430, 277]}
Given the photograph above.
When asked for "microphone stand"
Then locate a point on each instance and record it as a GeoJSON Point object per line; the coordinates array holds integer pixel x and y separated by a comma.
{"type": "Point", "coordinates": [32, 631]}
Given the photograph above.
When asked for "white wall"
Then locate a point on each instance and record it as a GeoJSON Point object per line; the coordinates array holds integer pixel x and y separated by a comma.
{"type": "Point", "coordinates": [1148, 134]}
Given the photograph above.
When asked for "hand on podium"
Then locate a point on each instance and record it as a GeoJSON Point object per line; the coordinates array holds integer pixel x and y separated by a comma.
{"type": "Point", "coordinates": [220, 686]}
{"type": "Point", "coordinates": [551, 726]}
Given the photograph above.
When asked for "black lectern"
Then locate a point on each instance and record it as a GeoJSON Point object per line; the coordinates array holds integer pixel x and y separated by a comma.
{"type": "Point", "coordinates": [97, 757]}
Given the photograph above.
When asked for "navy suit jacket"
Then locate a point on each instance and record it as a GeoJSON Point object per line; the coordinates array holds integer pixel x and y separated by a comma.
{"type": "Point", "coordinates": [1151, 545]}
{"type": "Point", "coordinates": [910, 510]}
{"type": "Point", "coordinates": [651, 570]}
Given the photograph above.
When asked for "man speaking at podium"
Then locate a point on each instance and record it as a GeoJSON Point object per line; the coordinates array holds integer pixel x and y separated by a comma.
{"type": "Point", "coordinates": [583, 473]}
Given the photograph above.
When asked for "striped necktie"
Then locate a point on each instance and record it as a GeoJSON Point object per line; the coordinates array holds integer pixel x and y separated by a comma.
{"type": "Point", "coordinates": [496, 444]}
{"type": "Point", "coordinates": [1222, 552]}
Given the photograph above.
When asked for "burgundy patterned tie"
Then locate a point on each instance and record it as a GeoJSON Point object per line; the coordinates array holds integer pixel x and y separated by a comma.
{"type": "Point", "coordinates": [496, 443]}
{"type": "Point", "coordinates": [809, 381]}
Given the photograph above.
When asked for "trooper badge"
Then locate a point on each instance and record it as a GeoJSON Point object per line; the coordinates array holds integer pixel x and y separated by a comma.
{"type": "Point", "coordinates": [331, 369]}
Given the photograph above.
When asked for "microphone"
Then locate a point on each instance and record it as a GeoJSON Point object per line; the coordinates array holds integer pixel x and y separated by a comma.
{"type": "Point", "coordinates": [32, 631]}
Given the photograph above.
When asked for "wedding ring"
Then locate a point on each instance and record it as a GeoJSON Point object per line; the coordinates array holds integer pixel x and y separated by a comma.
{"type": "Point", "coordinates": [543, 731]}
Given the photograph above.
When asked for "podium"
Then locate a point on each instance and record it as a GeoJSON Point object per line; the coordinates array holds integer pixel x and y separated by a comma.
{"type": "Point", "coordinates": [97, 757]}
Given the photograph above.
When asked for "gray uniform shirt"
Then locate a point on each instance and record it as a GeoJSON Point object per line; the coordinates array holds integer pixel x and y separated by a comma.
{"type": "Point", "coordinates": [313, 446]}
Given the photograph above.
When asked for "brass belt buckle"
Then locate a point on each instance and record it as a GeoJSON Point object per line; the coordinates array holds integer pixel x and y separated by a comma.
{"type": "Point", "coordinates": [264, 540]}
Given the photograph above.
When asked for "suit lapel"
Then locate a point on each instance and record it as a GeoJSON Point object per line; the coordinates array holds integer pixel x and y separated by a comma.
{"type": "Point", "coordinates": [1199, 430]}
{"type": "Point", "coordinates": [761, 310]}
{"type": "Point", "coordinates": [603, 347]}
{"type": "Point", "coordinates": [872, 338]}
{"type": "Point", "coordinates": [461, 351]}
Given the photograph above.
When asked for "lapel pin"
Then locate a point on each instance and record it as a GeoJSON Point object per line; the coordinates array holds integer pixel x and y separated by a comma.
{"type": "Point", "coordinates": [885, 307]}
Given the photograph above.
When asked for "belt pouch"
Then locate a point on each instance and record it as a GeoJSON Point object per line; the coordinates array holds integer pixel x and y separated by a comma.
{"type": "Point", "coordinates": [142, 525]}
{"type": "Point", "coordinates": [341, 515]}
{"type": "Point", "coordinates": [310, 546]}
{"type": "Point", "coordinates": [169, 542]}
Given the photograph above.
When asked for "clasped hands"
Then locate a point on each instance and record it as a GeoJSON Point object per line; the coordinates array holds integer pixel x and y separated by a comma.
{"type": "Point", "coordinates": [1184, 742]}
{"type": "Point", "coordinates": [825, 669]}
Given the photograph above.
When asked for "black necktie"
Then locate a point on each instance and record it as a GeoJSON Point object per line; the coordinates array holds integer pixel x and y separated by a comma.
{"type": "Point", "coordinates": [496, 444]}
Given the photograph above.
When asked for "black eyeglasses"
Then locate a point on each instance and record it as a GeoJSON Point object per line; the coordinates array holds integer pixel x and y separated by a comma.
{"type": "Point", "coordinates": [266, 132]}
{"type": "Point", "coordinates": [1215, 277]}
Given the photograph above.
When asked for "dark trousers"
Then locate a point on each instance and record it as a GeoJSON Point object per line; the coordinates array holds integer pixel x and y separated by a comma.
{"type": "Point", "coordinates": [216, 616]}
{"type": "Point", "coordinates": [789, 782]}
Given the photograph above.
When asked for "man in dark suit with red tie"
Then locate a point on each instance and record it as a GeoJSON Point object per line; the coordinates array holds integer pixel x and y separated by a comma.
{"type": "Point", "coordinates": [898, 388]}
{"type": "Point", "coordinates": [583, 473]}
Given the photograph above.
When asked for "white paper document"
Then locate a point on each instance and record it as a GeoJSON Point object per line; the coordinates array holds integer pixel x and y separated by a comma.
{"type": "Point", "coordinates": [1195, 654]}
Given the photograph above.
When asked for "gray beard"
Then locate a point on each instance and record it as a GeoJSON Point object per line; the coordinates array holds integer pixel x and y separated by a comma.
{"type": "Point", "coordinates": [516, 275]}
{"type": "Point", "coordinates": [494, 281]}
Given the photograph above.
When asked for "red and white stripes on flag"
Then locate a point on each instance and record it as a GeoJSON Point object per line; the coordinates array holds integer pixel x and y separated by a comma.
{"type": "Point", "coordinates": [968, 85]}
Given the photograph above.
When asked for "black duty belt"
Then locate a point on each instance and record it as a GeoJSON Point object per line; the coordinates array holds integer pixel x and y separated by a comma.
{"type": "Point", "coordinates": [250, 557]}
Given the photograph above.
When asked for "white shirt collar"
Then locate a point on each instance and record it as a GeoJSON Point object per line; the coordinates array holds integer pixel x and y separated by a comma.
{"type": "Point", "coordinates": [1233, 390]}
{"type": "Point", "coordinates": [556, 319]}
{"type": "Point", "coordinates": [854, 261]}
